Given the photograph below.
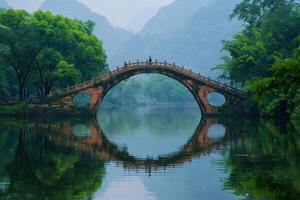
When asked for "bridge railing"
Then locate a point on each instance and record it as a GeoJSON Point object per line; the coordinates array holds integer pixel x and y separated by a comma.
{"type": "Point", "coordinates": [202, 78]}
{"type": "Point", "coordinates": [129, 66]}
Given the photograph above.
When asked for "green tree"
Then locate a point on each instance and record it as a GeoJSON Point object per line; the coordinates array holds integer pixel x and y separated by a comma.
{"type": "Point", "coordinates": [3, 83]}
{"type": "Point", "coordinates": [72, 43]}
{"type": "Point", "coordinates": [253, 12]}
{"type": "Point", "coordinates": [279, 94]}
{"type": "Point", "coordinates": [67, 73]}
{"type": "Point", "coordinates": [22, 42]}
{"type": "Point", "coordinates": [75, 42]}
{"type": "Point", "coordinates": [45, 74]}
{"type": "Point", "coordinates": [248, 58]}
{"type": "Point", "coordinates": [265, 52]}
{"type": "Point", "coordinates": [53, 70]}
{"type": "Point", "coordinates": [41, 41]}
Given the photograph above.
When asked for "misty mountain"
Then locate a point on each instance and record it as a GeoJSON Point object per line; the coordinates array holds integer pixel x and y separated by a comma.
{"type": "Point", "coordinates": [111, 37]}
{"type": "Point", "coordinates": [3, 4]}
{"type": "Point", "coordinates": [188, 32]}
{"type": "Point", "coordinates": [137, 22]}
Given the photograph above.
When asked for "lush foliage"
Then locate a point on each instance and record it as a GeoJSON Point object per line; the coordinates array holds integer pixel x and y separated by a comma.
{"type": "Point", "coordinates": [265, 163]}
{"type": "Point", "coordinates": [42, 51]}
{"type": "Point", "coordinates": [280, 93]}
{"type": "Point", "coordinates": [13, 109]}
{"type": "Point", "coordinates": [264, 57]}
{"type": "Point", "coordinates": [3, 84]}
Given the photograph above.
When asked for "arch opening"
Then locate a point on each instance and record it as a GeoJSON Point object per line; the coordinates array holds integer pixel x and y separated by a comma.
{"type": "Point", "coordinates": [216, 99]}
{"type": "Point", "coordinates": [149, 89]}
{"type": "Point", "coordinates": [81, 99]}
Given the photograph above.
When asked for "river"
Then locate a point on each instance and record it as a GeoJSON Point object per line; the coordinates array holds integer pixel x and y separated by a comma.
{"type": "Point", "coordinates": [150, 152]}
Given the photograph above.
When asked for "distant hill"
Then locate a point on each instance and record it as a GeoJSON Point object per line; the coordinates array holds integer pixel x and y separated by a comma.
{"type": "Point", "coordinates": [111, 37]}
{"type": "Point", "coordinates": [188, 32]}
{"type": "Point", "coordinates": [3, 4]}
{"type": "Point", "coordinates": [137, 22]}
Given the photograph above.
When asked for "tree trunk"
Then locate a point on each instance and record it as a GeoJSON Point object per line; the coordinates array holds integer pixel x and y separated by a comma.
{"type": "Point", "coordinates": [48, 87]}
{"type": "Point", "coordinates": [21, 91]}
{"type": "Point", "coordinates": [47, 91]}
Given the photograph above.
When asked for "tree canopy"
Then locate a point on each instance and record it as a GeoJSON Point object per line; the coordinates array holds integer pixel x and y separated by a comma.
{"type": "Point", "coordinates": [52, 50]}
{"type": "Point", "coordinates": [264, 57]}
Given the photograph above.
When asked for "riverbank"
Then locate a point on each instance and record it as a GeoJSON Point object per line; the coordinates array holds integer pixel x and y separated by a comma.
{"type": "Point", "coordinates": [42, 111]}
{"type": "Point", "coordinates": [23, 110]}
{"type": "Point", "coordinates": [49, 111]}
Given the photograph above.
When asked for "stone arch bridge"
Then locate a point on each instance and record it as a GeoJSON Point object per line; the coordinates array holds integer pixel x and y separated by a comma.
{"type": "Point", "coordinates": [197, 84]}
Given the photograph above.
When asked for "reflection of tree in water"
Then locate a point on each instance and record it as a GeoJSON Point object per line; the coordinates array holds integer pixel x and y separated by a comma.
{"type": "Point", "coordinates": [127, 119]}
{"type": "Point", "coordinates": [179, 118]}
{"type": "Point", "coordinates": [40, 169]}
{"type": "Point", "coordinates": [266, 164]}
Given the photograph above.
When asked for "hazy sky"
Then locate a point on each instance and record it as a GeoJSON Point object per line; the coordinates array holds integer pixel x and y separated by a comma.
{"type": "Point", "coordinates": [121, 12]}
{"type": "Point", "coordinates": [29, 5]}
{"type": "Point", "coordinates": [118, 12]}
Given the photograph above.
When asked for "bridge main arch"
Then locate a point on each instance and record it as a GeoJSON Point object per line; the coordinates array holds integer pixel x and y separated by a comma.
{"type": "Point", "coordinates": [199, 86]}
{"type": "Point", "coordinates": [140, 72]}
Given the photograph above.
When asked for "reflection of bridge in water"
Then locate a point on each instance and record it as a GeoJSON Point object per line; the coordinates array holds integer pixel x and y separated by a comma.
{"type": "Point", "coordinates": [199, 86]}
{"type": "Point", "coordinates": [98, 145]}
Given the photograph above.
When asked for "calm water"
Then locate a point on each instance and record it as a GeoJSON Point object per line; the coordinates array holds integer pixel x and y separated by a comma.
{"type": "Point", "coordinates": [141, 153]}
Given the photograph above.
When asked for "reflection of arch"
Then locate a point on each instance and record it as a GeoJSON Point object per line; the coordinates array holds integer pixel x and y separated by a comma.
{"type": "Point", "coordinates": [98, 145]}
{"type": "Point", "coordinates": [197, 84]}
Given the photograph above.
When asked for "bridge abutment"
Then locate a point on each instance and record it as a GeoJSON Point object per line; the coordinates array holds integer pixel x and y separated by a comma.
{"type": "Point", "coordinates": [203, 92]}
{"type": "Point", "coordinates": [96, 96]}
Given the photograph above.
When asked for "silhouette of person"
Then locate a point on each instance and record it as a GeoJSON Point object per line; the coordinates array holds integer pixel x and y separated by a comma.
{"type": "Point", "coordinates": [125, 64]}
{"type": "Point", "coordinates": [150, 59]}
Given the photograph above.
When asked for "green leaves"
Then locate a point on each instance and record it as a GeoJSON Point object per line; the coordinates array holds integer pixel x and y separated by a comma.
{"type": "Point", "coordinates": [3, 83]}
{"type": "Point", "coordinates": [281, 90]}
{"type": "Point", "coordinates": [52, 50]}
{"type": "Point", "coordinates": [248, 57]}
{"type": "Point", "coordinates": [252, 12]}
{"type": "Point", "coordinates": [264, 57]}
{"type": "Point", "coordinates": [67, 71]}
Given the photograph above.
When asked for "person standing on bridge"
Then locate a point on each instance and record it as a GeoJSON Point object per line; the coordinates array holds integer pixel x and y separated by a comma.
{"type": "Point", "coordinates": [125, 64]}
{"type": "Point", "coordinates": [150, 60]}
